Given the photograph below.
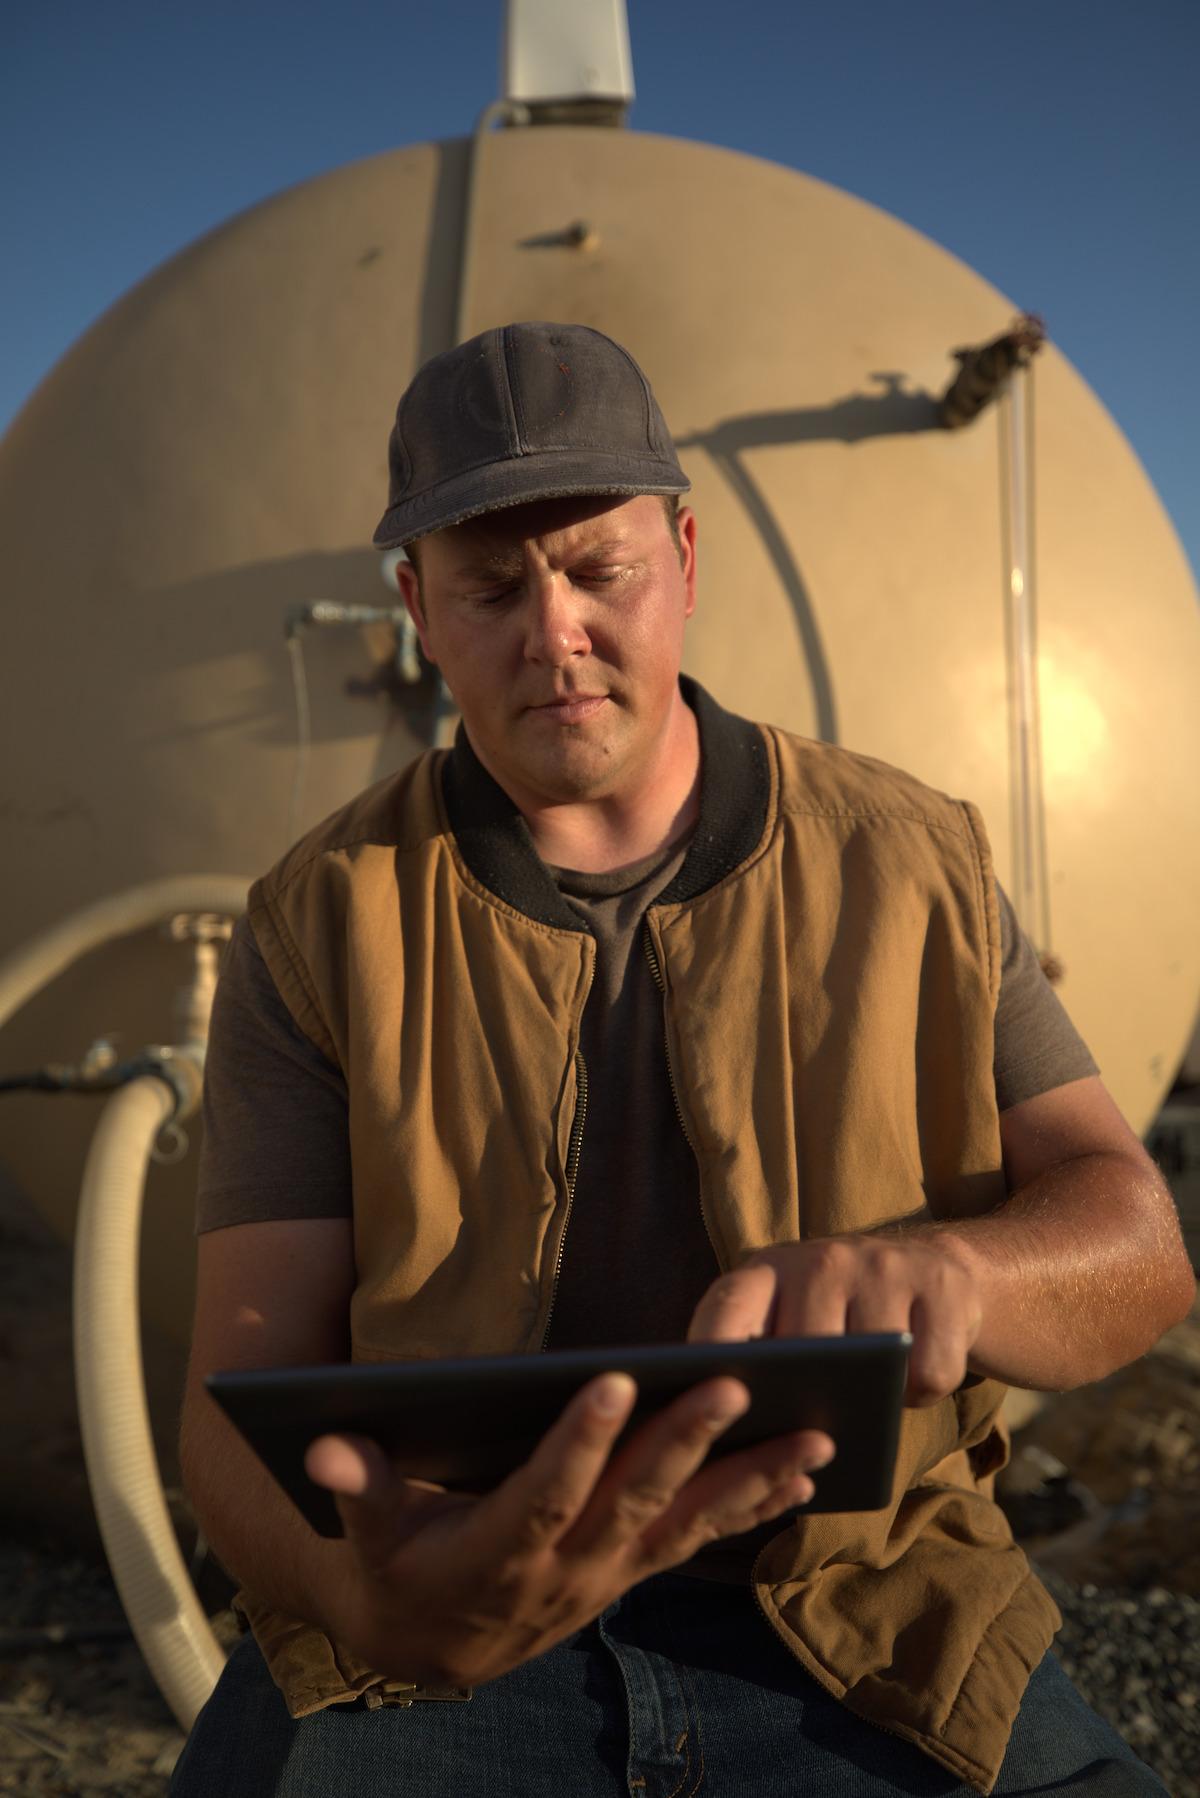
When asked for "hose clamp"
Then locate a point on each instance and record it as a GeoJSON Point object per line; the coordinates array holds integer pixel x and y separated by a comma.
{"type": "Point", "coordinates": [180, 1070]}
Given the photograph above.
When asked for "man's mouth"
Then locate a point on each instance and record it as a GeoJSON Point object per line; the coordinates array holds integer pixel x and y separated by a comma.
{"type": "Point", "coordinates": [571, 708]}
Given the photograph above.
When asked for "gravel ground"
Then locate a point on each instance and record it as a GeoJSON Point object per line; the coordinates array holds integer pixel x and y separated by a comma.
{"type": "Point", "coordinates": [75, 1718]}
{"type": "Point", "coordinates": [1135, 1656]}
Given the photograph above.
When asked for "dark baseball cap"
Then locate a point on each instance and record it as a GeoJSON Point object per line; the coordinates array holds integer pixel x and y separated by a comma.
{"type": "Point", "coordinates": [524, 412]}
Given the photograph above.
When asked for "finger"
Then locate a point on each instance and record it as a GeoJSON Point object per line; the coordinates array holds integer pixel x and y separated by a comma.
{"type": "Point", "coordinates": [378, 1508]}
{"type": "Point", "coordinates": [758, 1483]}
{"type": "Point", "coordinates": [937, 1361]}
{"type": "Point", "coordinates": [644, 1478]}
{"type": "Point", "coordinates": [815, 1289]}
{"type": "Point", "coordinates": [537, 1505]}
{"type": "Point", "coordinates": [346, 1464]}
{"type": "Point", "coordinates": [882, 1301]}
{"type": "Point", "coordinates": [736, 1307]}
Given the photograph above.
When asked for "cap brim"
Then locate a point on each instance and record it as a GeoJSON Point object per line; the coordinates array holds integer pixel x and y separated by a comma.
{"type": "Point", "coordinates": [553, 474]}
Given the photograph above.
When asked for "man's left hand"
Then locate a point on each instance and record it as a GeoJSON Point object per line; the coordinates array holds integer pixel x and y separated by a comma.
{"type": "Point", "coordinates": [843, 1285]}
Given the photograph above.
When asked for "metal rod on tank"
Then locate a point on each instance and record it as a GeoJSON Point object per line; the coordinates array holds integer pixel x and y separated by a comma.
{"type": "Point", "coordinates": [506, 112]}
{"type": "Point", "coordinates": [1030, 891]}
{"type": "Point", "coordinates": [301, 618]}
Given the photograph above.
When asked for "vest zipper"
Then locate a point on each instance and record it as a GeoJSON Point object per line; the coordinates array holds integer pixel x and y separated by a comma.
{"type": "Point", "coordinates": [574, 1145]}
{"type": "Point", "coordinates": [660, 983]}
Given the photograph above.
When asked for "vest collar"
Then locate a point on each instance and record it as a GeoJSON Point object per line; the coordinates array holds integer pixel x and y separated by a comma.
{"type": "Point", "coordinates": [494, 839]}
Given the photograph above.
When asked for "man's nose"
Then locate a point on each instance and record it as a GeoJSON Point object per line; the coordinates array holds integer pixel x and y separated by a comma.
{"type": "Point", "coordinates": [554, 625]}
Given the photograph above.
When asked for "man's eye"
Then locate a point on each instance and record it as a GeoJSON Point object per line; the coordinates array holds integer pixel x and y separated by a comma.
{"type": "Point", "coordinates": [493, 596]}
{"type": "Point", "coordinates": [597, 577]}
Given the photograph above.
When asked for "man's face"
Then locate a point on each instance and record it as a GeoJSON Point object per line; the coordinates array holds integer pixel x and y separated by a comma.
{"type": "Point", "coordinates": [558, 628]}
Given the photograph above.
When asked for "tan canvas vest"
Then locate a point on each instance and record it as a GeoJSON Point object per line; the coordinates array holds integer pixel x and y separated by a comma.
{"type": "Point", "coordinates": [829, 956]}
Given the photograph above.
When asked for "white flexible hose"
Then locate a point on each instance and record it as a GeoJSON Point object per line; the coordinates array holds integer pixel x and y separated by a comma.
{"type": "Point", "coordinates": [171, 1628]}
{"type": "Point", "coordinates": [156, 1590]}
{"type": "Point", "coordinates": [28, 969]}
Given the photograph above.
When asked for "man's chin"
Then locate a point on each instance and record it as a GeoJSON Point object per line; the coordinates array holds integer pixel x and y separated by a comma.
{"type": "Point", "coordinates": [575, 777]}
{"type": "Point", "coordinates": [573, 769]}
{"type": "Point", "coordinates": [539, 763]}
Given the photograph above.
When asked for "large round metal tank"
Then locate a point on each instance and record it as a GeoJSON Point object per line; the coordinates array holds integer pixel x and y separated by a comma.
{"type": "Point", "coordinates": [213, 453]}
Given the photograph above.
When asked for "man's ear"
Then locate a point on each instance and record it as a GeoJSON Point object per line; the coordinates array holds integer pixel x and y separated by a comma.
{"type": "Point", "coordinates": [686, 522]}
{"type": "Point", "coordinates": [410, 593]}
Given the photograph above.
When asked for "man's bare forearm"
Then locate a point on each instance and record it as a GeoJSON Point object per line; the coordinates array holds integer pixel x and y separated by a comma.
{"type": "Point", "coordinates": [267, 1295]}
{"type": "Point", "coordinates": [252, 1526]}
{"type": "Point", "coordinates": [1078, 1272]}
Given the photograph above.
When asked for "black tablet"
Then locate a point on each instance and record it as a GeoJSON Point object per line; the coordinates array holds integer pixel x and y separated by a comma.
{"type": "Point", "coordinates": [468, 1423]}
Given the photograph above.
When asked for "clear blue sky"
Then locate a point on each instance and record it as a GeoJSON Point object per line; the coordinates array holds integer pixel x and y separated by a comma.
{"type": "Point", "coordinates": [1054, 147]}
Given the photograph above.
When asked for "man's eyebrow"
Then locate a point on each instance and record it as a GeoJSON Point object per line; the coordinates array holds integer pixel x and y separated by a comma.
{"type": "Point", "coordinates": [596, 552]}
{"type": "Point", "coordinates": [496, 562]}
{"type": "Point", "coordinates": [484, 561]}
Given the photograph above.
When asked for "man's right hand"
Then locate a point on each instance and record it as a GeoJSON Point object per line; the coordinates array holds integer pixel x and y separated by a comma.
{"type": "Point", "coordinates": [454, 1590]}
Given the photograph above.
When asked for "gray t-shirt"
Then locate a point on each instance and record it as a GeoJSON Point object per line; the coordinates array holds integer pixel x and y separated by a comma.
{"type": "Point", "coordinates": [611, 1286]}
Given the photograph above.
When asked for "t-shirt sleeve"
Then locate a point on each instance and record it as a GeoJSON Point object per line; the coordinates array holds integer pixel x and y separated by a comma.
{"type": "Point", "coordinates": [276, 1143]}
{"type": "Point", "coordinates": [1036, 1046]}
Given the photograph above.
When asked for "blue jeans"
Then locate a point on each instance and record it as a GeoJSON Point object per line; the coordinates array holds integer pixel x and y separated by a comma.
{"type": "Point", "coordinates": [680, 1687]}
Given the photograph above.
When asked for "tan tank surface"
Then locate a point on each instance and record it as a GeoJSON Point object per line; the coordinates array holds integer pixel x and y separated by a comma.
{"type": "Point", "coordinates": [212, 454]}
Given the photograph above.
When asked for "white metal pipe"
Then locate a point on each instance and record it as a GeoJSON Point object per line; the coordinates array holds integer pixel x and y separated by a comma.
{"type": "Point", "coordinates": [495, 113]}
{"type": "Point", "coordinates": [1030, 885]}
{"type": "Point", "coordinates": [29, 968]}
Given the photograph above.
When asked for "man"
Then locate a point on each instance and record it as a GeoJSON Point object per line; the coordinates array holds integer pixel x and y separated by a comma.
{"type": "Point", "coordinates": [628, 1020]}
